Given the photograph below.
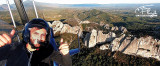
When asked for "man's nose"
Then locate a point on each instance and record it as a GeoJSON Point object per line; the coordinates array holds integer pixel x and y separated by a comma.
{"type": "Point", "coordinates": [36, 41]}
{"type": "Point", "coordinates": [38, 37]}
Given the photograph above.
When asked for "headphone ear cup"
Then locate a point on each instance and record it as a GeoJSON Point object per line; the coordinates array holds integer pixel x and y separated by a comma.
{"type": "Point", "coordinates": [26, 34]}
{"type": "Point", "coordinates": [49, 36]}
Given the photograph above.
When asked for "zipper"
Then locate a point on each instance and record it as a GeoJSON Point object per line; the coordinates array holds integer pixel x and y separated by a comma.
{"type": "Point", "coordinates": [29, 62]}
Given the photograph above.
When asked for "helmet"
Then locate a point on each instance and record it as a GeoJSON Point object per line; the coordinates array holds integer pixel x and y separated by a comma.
{"type": "Point", "coordinates": [40, 23]}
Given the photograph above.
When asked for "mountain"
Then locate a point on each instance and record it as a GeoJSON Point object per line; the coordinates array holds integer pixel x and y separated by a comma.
{"type": "Point", "coordinates": [5, 7]}
{"type": "Point", "coordinates": [39, 4]}
{"type": "Point", "coordinates": [5, 27]}
{"type": "Point", "coordinates": [29, 3]}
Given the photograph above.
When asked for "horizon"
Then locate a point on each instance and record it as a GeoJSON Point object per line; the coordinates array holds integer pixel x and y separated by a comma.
{"type": "Point", "coordinates": [90, 2]}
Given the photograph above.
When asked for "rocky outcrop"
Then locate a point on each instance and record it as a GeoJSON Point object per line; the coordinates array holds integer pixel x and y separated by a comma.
{"type": "Point", "coordinates": [101, 37]}
{"type": "Point", "coordinates": [104, 47]}
{"type": "Point", "coordinates": [114, 46]}
{"type": "Point", "coordinates": [60, 28]}
{"type": "Point", "coordinates": [128, 44]}
{"type": "Point", "coordinates": [114, 28]}
{"type": "Point", "coordinates": [84, 22]}
{"type": "Point", "coordinates": [124, 45]}
{"type": "Point", "coordinates": [148, 47]}
{"type": "Point", "coordinates": [97, 37]}
{"type": "Point", "coordinates": [66, 28]}
{"type": "Point", "coordinates": [121, 28]}
{"type": "Point", "coordinates": [57, 26]}
{"type": "Point", "coordinates": [110, 36]}
{"type": "Point", "coordinates": [93, 38]}
{"type": "Point", "coordinates": [144, 46]}
{"type": "Point", "coordinates": [107, 26]}
{"type": "Point", "coordinates": [134, 46]}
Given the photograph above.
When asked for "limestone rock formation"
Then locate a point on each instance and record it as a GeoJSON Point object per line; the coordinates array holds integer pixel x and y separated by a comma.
{"type": "Point", "coordinates": [57, 26]}
{"type": "Point", "coordinates": [144, 46]}
{"type": "Point", "coordinates": [124, 44]}
{"type": "Point", "coordinates": [60, 28]}
{"type": "Point", "coordinates": [123, 29]}
{"type": "Point", "coordinates": [97, 37]}
{"type": "Point", "coordinates": [66, 29]}
{"type": "Point", "coordinates": [133, 47]}
{"type": "Point", "coordinates": [93, 38]}
{"type": "Point", "coordinates": [128, 44]}
{"type": "Point", "coordinates": [104, 47]}
{"type": "Point", "coordinates": [148, 47]}
{"type": "Point", "coordinates": [106, 26]}
{"type": "Point", "coordinates": [84, 22]}
{"type": "Point", "coordinates": [110, 36]}
{"type": "Point", "coordinates": [101, 37]}
{"type": "Point", "coordinates": [116, 43]}
{"type": "Point", "coordinates": [115, 28]}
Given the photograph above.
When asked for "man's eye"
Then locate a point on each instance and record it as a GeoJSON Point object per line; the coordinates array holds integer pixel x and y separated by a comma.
{"type": "Point", "coordinates": [36, 33]}
{"type": "Point", "coordinates": [43, 34]}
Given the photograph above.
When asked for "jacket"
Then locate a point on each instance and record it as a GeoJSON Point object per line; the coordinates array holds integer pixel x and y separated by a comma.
{"type": "Point", "coordinates": [16, 54]}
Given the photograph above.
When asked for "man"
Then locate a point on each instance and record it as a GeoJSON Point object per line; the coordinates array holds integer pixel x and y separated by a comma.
{"type": "Point", "coordinates": [35, 48]}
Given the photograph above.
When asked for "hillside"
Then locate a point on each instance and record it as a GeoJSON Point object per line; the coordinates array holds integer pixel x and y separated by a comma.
{"type": "Point", "coordinates": [98, 16]}
{"type": "Point", "coordinates": [5, 27]}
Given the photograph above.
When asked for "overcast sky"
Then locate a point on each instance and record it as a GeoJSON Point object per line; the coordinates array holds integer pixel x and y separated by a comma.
{"type": "Point", "coordinates": [91, 1]}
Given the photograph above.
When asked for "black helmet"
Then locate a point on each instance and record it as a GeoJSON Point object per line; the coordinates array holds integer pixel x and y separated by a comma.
{"type": "Point", "coordinates": [40, 23]}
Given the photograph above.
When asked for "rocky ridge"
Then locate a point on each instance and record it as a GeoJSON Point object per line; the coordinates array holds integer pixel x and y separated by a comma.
{"type": "Point", "coordinates": [128, 44]}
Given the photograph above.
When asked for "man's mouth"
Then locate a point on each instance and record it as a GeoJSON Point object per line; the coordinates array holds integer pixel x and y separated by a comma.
{"type": "Point", "coordinates": [37, 45]}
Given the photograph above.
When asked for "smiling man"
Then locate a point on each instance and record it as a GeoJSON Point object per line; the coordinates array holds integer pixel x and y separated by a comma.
{"type": "Point", "coordinates": [35, 48]}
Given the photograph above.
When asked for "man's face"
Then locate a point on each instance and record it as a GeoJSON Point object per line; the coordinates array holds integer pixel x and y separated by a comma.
{"type": "Point", "coordinates": [37, 35]}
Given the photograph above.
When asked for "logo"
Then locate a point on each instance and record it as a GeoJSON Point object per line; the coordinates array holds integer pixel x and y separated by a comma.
{"type": "Point", "coordinates": [145, 11]}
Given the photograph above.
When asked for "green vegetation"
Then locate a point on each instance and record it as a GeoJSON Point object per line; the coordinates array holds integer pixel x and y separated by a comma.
{"type": "Point", "coordinates": [97, 57]}
{"type": "Point", "coordinates": [98, 16]}
{"type": "Point", "coordinates": [73, 15]}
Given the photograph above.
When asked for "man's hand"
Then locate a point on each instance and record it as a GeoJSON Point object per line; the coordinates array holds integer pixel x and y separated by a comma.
{"type": "Point", "coordinates": [6, 39]}
{"type": "Point", "coordinates": [64, 48]}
